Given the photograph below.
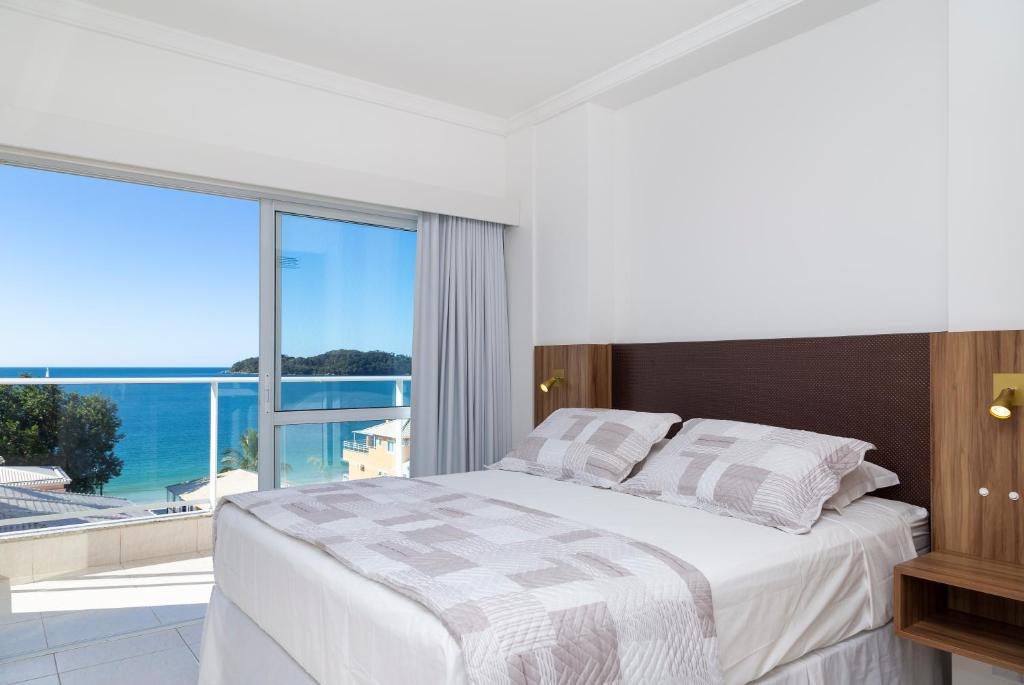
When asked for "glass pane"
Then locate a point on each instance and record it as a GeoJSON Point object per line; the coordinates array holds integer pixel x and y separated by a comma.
{"type": "Point", "coordinates": [141, 282]}
{"type": "Point", "coordinates": [238, 453]}
{"type": "Point", "coordinates": [83, 448]}
{"type": "Point", "coordinates": [327, 452]}
{"type": "Point", "coordinates": [345, 310]}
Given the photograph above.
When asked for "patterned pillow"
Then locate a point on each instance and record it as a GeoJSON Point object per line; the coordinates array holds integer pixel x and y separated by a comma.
{"type": "Point", "coordinates": [773, 476]}
{"type": "Point", "coordinates": [589, 446]}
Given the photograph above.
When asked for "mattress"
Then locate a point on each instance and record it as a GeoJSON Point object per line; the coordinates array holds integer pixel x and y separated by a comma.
{"type": "Point", "coordinates": [776, 596]}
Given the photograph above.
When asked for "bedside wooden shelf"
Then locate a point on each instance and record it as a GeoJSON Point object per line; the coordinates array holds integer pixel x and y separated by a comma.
{"type": "Point", "coordinates": [964, 605]}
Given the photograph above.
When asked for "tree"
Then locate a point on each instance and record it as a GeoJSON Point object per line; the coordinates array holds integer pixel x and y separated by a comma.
{"type": "Point", "coordinates": [249, 456]}
{"type": "Point", "coordinates": [42, 425]}
{"type": "Point", "coordinates": [88, 432]}
{"type": "Point", "coordinates": [29, 421]}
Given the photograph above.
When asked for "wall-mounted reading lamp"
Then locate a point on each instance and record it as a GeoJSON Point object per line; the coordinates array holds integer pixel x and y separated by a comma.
{"type": "Point", "coordinates": [1000, 407]}
{"type": "Point", "coordinates": [1005, 386]}
{"type": "Point", "coordinates": [557, 379]}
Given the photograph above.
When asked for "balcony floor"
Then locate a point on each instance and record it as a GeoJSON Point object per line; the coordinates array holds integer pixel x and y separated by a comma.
{"type": "Point", "coordinates": [108, 627]}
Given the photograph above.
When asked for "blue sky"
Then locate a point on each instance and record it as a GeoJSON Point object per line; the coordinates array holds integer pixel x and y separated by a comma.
{"type": "Point", "coordinates": [345, 285]}
{"type": "Point", "coordinates": [104, 273]}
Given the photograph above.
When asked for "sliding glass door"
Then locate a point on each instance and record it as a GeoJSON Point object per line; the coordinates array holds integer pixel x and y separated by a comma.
{"type": "Point", "coordinates": [133, 388]}
{"type": "Point", "coordinates": [336, 312]}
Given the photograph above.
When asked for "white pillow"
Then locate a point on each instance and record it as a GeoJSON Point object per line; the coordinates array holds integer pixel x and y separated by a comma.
{"type": "Point", "coordinates": [865, 478]}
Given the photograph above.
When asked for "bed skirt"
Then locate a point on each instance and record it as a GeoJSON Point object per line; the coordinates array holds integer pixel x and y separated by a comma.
{"type": "Point", "coordinates": [236, 651]}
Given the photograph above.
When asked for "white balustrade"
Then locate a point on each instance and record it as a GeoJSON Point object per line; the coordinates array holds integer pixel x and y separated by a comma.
{"type": "Point", "coordinates": [214, 383]}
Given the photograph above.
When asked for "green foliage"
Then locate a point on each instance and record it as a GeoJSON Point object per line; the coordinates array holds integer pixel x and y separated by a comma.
{"type": "Point", "coordinates": [42, 425]}
{"type": "Point", "coordinates": [336, 363]}
{"type": "Point", "coordinates": [88, 433]}
{"type": "Point", "coordinates": [248, 457]}
{"type": "Point", "coordinates": [29, 420]}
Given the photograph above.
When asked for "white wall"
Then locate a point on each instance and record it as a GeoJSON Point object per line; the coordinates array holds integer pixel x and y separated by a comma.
{"type": "Point", "coordinates": [573, 227]}
{"type": "Point", "coordinates": [519, 259]}
{"type": "Point", "coordinates": [561, 231]}
{"type": "Point", "coordinates": [799, 191]}
{"type": "Point", "coordinates": [969, 672]}
{"type": "Point", "coordinates": [83, 93]}
{"type": "Point", "coordinates": [986, 164]}
{"type": "Point", "coordinates": [863, 177]}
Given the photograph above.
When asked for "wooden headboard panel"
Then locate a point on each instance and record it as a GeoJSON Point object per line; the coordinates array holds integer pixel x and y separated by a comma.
{"type": "Point", "coordinates": [872, 387]}
{"type": "Point", "coordinates": [973, 450]}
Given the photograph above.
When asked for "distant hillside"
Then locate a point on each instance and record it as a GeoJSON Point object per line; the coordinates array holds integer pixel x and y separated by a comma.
{"type": "Point", "coordinates": [336, 363]}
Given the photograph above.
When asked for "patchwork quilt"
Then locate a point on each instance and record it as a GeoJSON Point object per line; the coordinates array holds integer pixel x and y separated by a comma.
{"type": "Point", "coordinates": [530, 597]}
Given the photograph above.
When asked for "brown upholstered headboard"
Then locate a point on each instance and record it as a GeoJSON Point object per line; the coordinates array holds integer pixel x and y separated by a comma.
{"type": "Point", "coordinates": [872, 387]}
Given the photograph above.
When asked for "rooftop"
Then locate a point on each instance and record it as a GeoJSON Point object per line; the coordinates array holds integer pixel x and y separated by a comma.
{"type": "Point", "coordinates": [228, 483]}
{"type": "Point", "coordinates": [32, 476]}
{"type": "Point", "coordinates": [17, 502]}
{"type": "Point", "coordinates": [387, 429]}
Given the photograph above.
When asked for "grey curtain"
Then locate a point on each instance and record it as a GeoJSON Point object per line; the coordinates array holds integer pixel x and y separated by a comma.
{"type": "Point", "coordinates": [461, 379]}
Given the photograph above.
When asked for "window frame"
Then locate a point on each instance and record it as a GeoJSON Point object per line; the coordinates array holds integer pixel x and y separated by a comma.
{"type": "Point", "coordinates": [271, 201]}
{"type": "Point", "coordinates": [271, 416]}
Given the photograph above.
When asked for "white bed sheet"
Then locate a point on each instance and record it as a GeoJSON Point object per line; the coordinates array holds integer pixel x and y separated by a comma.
{"type": "Point", "coordinates": [776, 596]}
{"type": "Point", "coordinates": [236, 651]}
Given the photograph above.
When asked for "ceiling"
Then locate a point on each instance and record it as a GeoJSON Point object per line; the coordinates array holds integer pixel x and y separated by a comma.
{"type": "Point", "coordinates": [496, 57]}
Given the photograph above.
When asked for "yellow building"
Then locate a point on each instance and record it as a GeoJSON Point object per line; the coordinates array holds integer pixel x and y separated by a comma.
{"type": "Point", "coordinates": [375, 451]}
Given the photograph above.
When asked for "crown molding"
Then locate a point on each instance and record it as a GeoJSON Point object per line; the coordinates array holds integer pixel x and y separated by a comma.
{"type": "Point", "coordinates": [92, 18]}
{"type": "Point", "coordinates": [718, 28]}
{"type": "Point", "coordinates": [674, 60]}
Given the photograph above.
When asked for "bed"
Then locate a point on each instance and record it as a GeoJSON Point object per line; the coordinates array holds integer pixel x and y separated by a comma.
{"type": "Point", "coordinates": [789, 608]}
{"type": "Point", "coordinates": [777, 597]}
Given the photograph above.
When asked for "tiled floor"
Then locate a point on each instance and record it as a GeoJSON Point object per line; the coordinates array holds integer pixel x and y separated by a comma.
{"type": "Point", "coordinates": [108, 627]}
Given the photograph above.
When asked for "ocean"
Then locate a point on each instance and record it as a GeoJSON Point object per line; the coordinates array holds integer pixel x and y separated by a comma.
{"type": "Point", "coordinates": [166, 427]}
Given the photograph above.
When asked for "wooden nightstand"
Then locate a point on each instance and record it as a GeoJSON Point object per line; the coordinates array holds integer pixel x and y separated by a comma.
{"type": "Point", "coordinates": [964, 605]}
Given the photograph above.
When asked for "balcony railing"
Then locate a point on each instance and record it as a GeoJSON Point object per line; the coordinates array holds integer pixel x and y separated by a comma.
{"type": "Point", "coordinates": [166, 508]}
{"type": "Point", "coordinates": [355, 446]}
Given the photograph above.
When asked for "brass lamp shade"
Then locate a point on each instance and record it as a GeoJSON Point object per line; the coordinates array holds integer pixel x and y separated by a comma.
{"type": "Point", "coordinates": [557, 379]}
{"type": "Point", "coordinates": [1000, 407]}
